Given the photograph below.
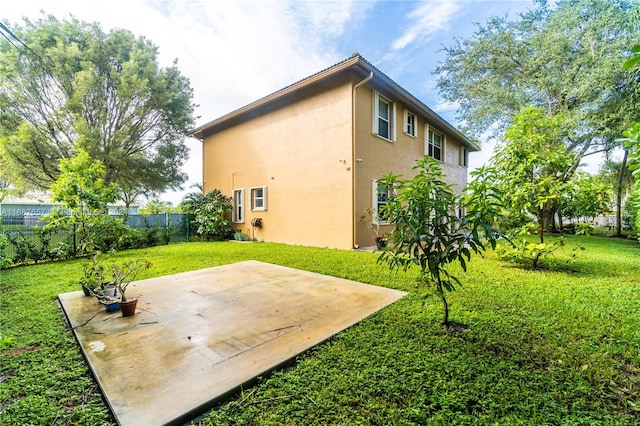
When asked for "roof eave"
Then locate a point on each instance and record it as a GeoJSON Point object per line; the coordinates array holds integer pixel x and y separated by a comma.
{"type": "Point", "coordinates": [353, 61]}
{"type": "Point", "coordinates": [199, 132]}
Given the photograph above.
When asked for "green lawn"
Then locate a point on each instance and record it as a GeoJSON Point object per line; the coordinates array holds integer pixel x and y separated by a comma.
{"type": "Point", "coordinates": [541, 347]}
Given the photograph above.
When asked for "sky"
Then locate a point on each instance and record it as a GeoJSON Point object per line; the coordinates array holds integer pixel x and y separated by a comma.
{"type": "Point", "coordinates": [235, 52]}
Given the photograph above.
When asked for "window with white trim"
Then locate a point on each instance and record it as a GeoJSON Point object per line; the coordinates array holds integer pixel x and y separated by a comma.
{"type": "Point", "coordinates": [434, 144]}
{"type": "Point", "coordinates": [384, 115]}
{"type": "Point", "coordinates": [464, 156]}
{"type": "Point", "coordinates": [259, 198]}
{"type": "Point", "coordinates": [238, 206]}
{"type": "Point", "coordinates": [410, 127]}
{"type": "Point", "coordinates": [380, 197]}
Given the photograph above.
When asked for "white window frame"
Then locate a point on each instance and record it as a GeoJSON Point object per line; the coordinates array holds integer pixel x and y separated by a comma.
{"type": "Point", "coordinates": [410, 129]}
{"type": "Point", "coordinates": [429, 143]}
{"type": "Point", "coordinates": [377, 97]}
{"type": "Point", "coordinates": [376, 203]}
{"type": "Point", "coordinates": [464, 156]}
{"type": "Point", "coordinates": [254, 199]}
{"type": "Point", "coordinates": [238, 207]}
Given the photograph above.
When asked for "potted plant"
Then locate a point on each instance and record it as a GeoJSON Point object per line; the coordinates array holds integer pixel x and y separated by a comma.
{"type": "Point", "coordinates": [122, 276]}
{"type": "Point", "coordinates": [95, 283]}
{"type": "Point", "coordinates": [110, 290]}
{"type": "Point", "coordinates": [93, 275]}
{"type": "Point", "coordinates": [372, 220]}
{"type": "Point", "coordinates": [239, 235]}
{"type": "Point", "coordinates": [107, 295]}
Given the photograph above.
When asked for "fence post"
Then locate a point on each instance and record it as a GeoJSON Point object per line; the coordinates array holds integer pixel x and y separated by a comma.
{"type": "Point", "coordinates": [166, 226]}
{"type": "Point", "coordinates": [75, 243]}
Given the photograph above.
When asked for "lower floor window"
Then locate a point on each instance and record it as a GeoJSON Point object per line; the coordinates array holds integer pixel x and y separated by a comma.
{"type": "Point", "coordinates": [238, 205]}
{"type": "Point", "coordinates": [380, 197]}
{"type": "Point", "coordinates": [259, 198]}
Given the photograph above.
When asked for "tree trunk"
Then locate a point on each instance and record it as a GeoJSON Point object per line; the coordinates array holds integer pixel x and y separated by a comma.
{"type": "Point", "coordinates": [549, 213]}
{"type": "Point", "coordinates": [541, 215]}
{"type": "Point", "coordinates": [445, 305]}
{"type": "Point", "coordinates": [535, 260]}
{"type": "Point", "coordinates": [560, 223]}
{"type": "Point", "coordinates": [445, 315]}
{"type": "Point", "coordinates": [623, 166]}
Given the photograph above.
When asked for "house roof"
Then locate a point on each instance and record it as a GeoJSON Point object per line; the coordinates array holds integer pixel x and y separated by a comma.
{"type": "Point", "coordinates": [354, 62]}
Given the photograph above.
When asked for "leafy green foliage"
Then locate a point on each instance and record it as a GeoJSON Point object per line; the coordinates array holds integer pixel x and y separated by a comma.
{"type": "Point", "coordinates": [532, 162]}
{"type": "Point", "coordinates": [5, 259]}
{"type": "Point", "coordinates": [631, 142]}
{"type": "Point", "coordinates": [531, 167]}
{"type": "Point", "coordinates": [77, 87]}
{"type": "Point", "coordinates": [585, 196]}
{"type": "Point", "coordinates": [563, 57]}
{"type": "Point", "coordinates": [542, 347]}
{"type": "Point", "coordinates": [156, 206]}
{"type": "Point", "coordinates": [84, 194]}
{"type": "Point", "coordinates": [212, 215]}
{"type": "Point", "coordinates": [518, 249]}
{"type": "Point", "coordinates": [427, 233]}
{"type": "Point", "coordinates": [634, 60]}
{"type": "Point", "coordinates": [584, 228]}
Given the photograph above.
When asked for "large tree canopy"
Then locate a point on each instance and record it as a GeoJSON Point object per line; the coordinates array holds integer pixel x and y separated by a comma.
{"type": "Point", "coordinates": [564, 58]}
{"type": "Point", "coordinates": [77, 87]}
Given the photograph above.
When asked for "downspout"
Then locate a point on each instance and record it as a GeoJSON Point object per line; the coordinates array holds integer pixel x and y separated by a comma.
{"type": "Point", "coordinates": [353, 157]}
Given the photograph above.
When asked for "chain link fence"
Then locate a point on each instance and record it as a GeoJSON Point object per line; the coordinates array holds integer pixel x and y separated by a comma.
{"type": "Point", "coordinates": [29, 240]}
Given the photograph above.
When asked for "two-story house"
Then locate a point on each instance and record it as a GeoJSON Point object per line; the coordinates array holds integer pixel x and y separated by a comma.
{"type": "Point", "coordinates": [306, 158]}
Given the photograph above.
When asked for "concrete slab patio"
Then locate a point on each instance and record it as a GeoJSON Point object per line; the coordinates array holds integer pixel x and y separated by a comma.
{"type": "Point", "coordinates": [197, 336]}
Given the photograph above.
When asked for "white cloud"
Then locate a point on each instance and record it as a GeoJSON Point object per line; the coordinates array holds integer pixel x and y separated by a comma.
{"type": "Point", "coordinates": [426, 21]}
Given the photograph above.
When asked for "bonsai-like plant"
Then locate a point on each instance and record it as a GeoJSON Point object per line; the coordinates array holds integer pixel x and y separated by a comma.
{"type": "Point", "coordinates": [122, 275]}
{"type": "Point", "coordinates": [93, 276]}
{"type": "Point", "coordinates": [109, 288]}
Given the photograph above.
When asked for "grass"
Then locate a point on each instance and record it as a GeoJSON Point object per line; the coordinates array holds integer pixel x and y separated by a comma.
{"type": "Point", "coordinates": [556, 346]}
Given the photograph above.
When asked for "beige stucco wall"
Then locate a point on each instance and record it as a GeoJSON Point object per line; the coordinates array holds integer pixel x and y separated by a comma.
{"type": "Point", "coordinates": [301, 150]}
{"type": "Point", "coordinates": [295, 151]}
{"type": "Point", "coordinates": [380, 156]}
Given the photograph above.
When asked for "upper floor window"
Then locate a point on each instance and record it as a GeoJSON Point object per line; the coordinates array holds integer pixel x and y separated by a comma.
{"type": "Point", "coordinates": [384, 113]}
{"type": "Point", "coordinates": [435, 144]}
{"type": "Point", "coordinates": [464, 156]}
{"type": "Point", "coordinates": [238, 206]}
{"type": "Point", "coordinates": [410, 124]}
{"type": "Point", "coordinates": [259, 198]}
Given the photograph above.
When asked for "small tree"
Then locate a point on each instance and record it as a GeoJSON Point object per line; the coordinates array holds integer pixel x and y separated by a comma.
{"type": "Point", "coordinates": [85, 195]}
{"type": "Point", "coordinates": [531, 168]}
{"type": "Point", "coordinates": [212, 215]}
{"type": "Point", "coordinates": [428, 234]}
{"type": "Point", "coordinates": [586, 196]}
{"type": "Point", "coordinates": [632, 146]}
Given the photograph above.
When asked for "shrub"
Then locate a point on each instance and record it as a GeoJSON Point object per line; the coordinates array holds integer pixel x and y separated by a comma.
{"type": "Point", "coordinates": [5, 259]}
{"type": "Point", "coordinates": [584, 228]}
{"type": "Point", "coordinates": [23, 247]}
{"type": "Point", "coordinates": [520, 250]}
{"type": "Point", "coordinates": [212, 215]}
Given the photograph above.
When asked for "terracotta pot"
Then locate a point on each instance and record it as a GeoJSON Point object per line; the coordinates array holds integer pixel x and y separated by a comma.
{"type": "Point", "coordinates": [128, 308]}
